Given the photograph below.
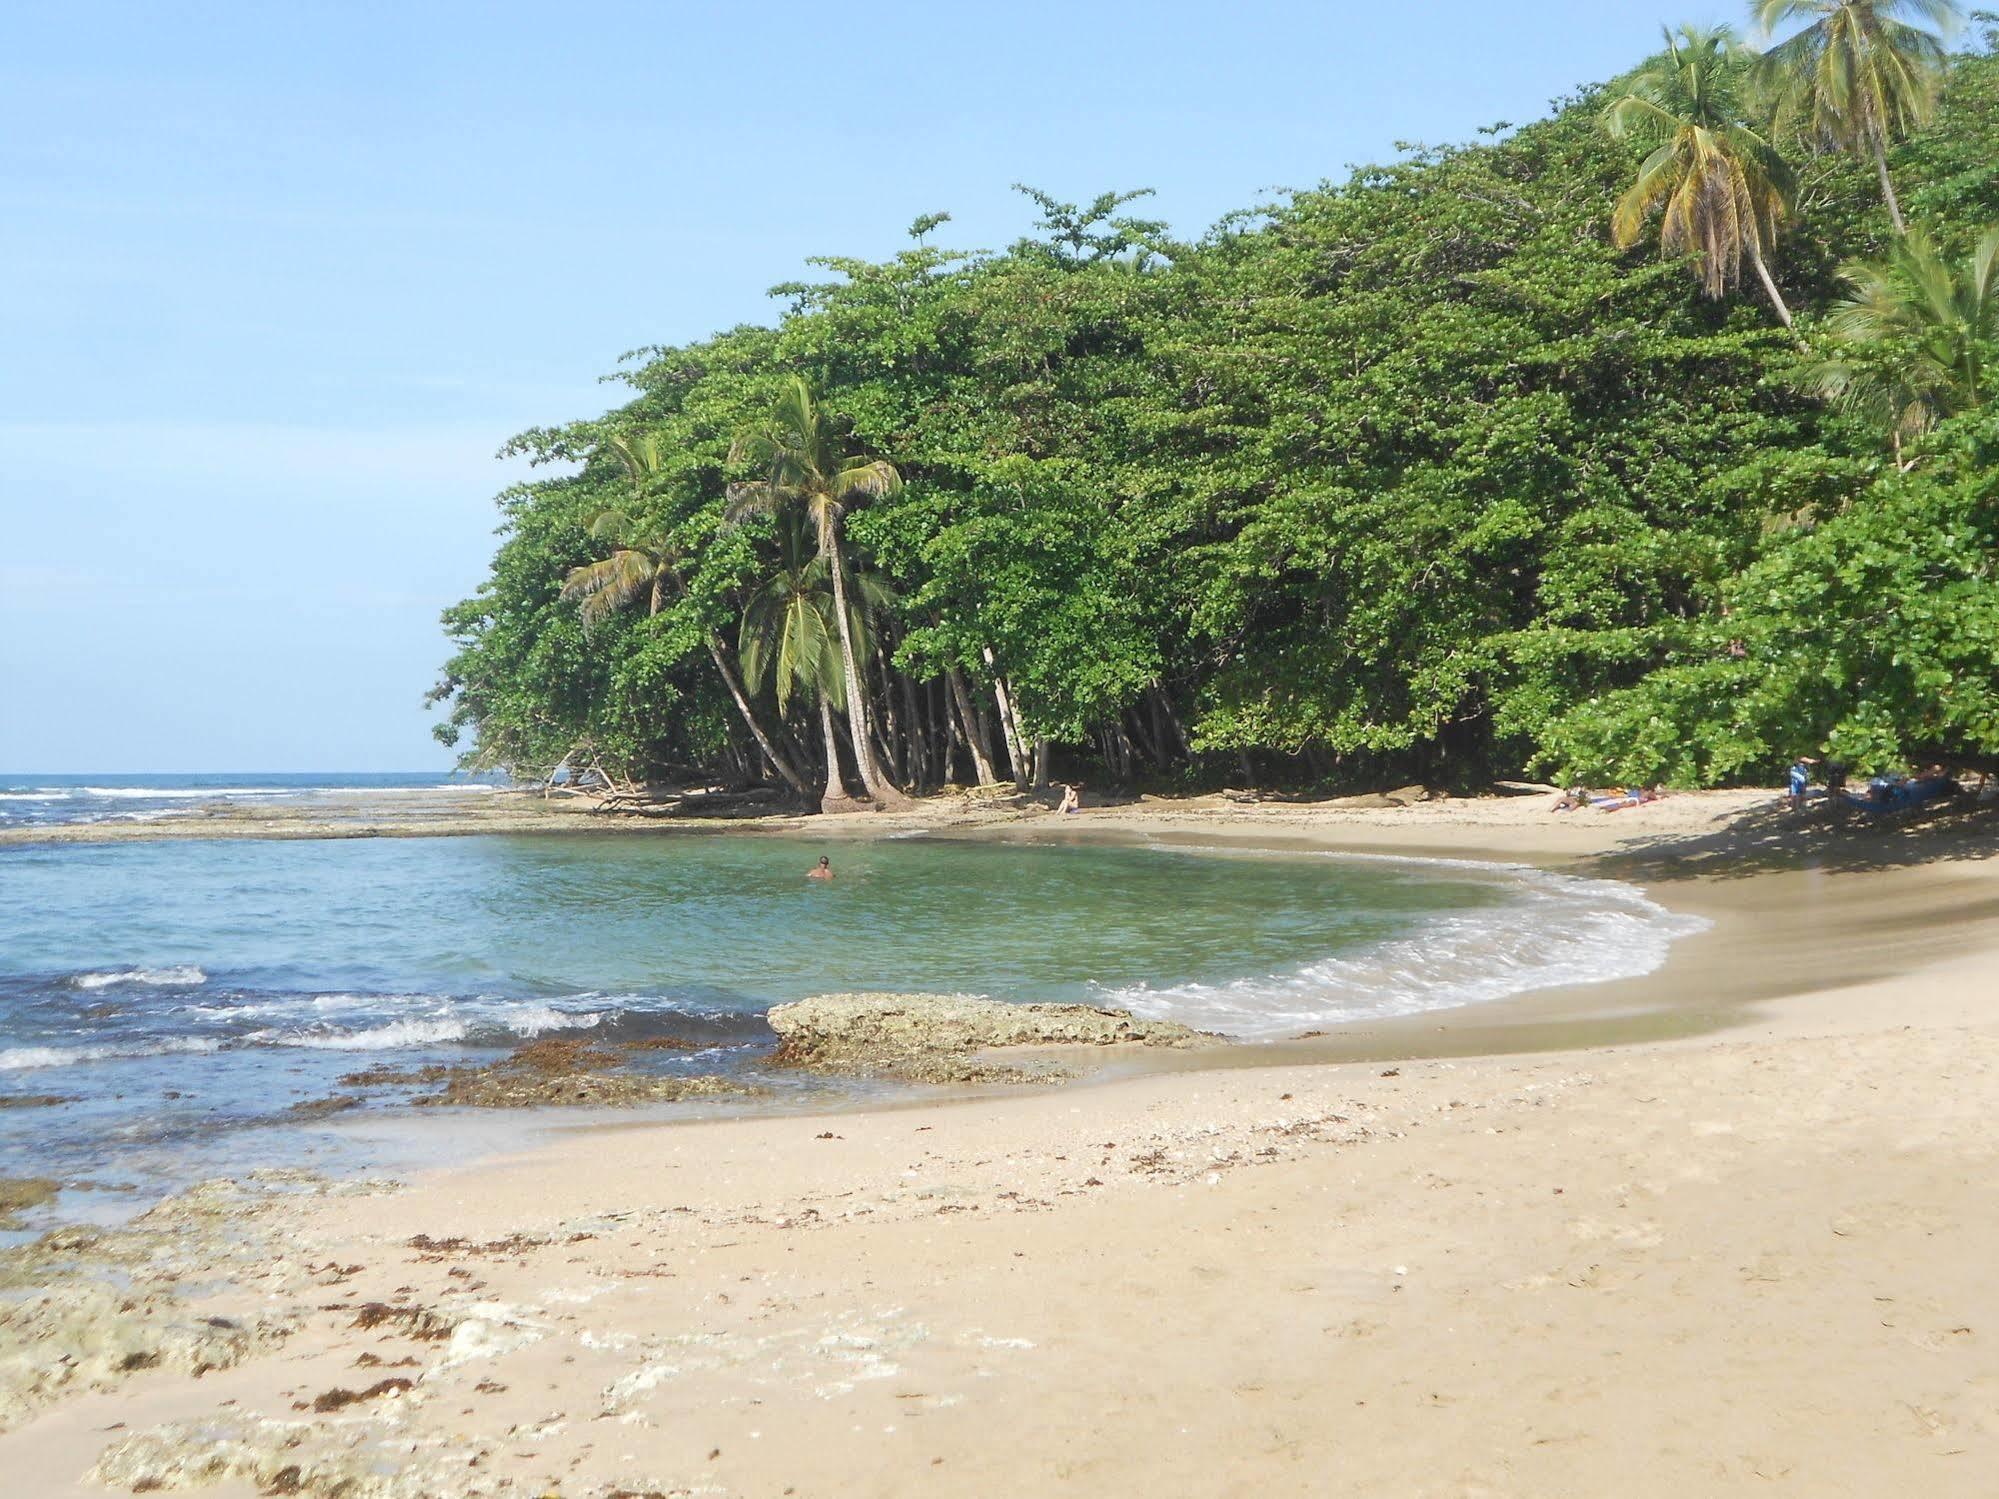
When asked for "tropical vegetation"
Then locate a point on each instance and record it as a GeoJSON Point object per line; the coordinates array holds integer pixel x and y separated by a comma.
{"type": "Point", "coordinates": [1653, 440]}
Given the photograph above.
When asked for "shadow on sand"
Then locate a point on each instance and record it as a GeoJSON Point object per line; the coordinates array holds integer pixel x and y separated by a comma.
{"type": "Point", "coordinates": [1770, 839]}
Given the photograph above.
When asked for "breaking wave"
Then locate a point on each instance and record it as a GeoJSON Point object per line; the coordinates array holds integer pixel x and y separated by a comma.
{"type": "Point", "coordinates": [180, 976]}
{"type": "Point", "coordinates": [1552, 930]}
{"type": "Point", "coordinates": [16, 1058]}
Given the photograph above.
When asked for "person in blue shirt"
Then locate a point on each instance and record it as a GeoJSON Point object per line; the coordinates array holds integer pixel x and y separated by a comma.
{"type": "Point", "coordinates": [1801, 781]}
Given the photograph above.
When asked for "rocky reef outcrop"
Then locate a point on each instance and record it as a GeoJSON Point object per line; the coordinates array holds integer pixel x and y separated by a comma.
{"type": "Point", "coordinates": [948, 1038]}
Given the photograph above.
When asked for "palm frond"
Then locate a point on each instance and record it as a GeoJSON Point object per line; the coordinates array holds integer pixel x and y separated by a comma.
{"type": "Point", "coordinates": [608, 586]}
{"type": "Point", "coordinates": [611, 525]}
{"type": "Point", "coordinates": [870, 477]}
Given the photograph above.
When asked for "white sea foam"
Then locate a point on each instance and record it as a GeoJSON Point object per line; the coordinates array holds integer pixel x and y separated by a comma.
{"type": "Point", "coordinates": [390, 1037]}
{"type": "Point", "coordinates": [182, 793]}
{"type": "Point", "coordinates": [453, 786]}
{"type": "Point", "coordinates": [533, 1020]}
{"type": "Point", "coordinates": [34, 796]}
{"type": "Point", "coordinates": [438, 1028]}
{"type": "Point", "coordinates": [1551, 930]}
{"type": "Point", "coordinates": [181, 976]}
{"type": "Point", "coordinates": [15, 1058]}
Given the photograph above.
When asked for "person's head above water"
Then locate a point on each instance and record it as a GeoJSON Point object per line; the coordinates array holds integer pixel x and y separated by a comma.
{"type": "Point", "coordinates": [823, 870]}
{"type": "Point", "coordinates": [824, 862]}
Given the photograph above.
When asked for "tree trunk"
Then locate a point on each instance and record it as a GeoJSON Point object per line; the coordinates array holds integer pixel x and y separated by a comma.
{"type": "Point", "coordinates": [878, 785]}
{"type": "Point", "coordinates": [1887, 187]}
{"type": "Point", "coordinates": [1163, 705]}
{"type": "Point", "coordinates": [772, 753]}
{"type": "Point", "coordinates": [1769, 286]}
{"type": "Point", "coordinates": [1016, 749]}
{"type": "Point", "coordinates": [1041, 758]}
{"type": "Point", "coordinates": [948, 755]}
{"type": "Point", "coordinates": [890, 725]}
{"type": "Point", "coordinates": [975, 731]}
{"type": "Point", "coordinates": [1144, 738]}
{"type": "Point", "coordinates": [777, 758]}
{"type": "Point", "coordinates": [835, 798]}
{"type": "Point", "coordinates": [918, 751]}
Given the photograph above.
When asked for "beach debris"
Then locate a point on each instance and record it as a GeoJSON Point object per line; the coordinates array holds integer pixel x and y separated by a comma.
{"type": "Point", "coordinates": [941, 1037]}
{"type": "Point", "coordinates": [518, 1243]}
{"type": "Point", "coordinates": [337, 1398]}
{"type": "Point", "coordinates": [418, 1322]}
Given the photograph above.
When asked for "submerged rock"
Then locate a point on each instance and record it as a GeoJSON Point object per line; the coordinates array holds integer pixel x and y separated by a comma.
{"type": "Point", "coordinates": [318, 1108]}
{"type": "Point", "coordinates": [19, 1193]}
{"type": "Point", "coordinates": [545, 1074]}
{"type": "Point", "coordinates": [939, 1037]}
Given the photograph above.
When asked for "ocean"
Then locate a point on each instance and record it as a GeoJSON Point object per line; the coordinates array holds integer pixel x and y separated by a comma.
{"type": "Point", "coordinates": [183, 997]}
{"type": "Point", "coordinates": [42, 800]}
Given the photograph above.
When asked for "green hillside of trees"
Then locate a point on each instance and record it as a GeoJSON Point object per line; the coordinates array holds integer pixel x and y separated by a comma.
{"type": "Point", "coordinates": [1501, 457]}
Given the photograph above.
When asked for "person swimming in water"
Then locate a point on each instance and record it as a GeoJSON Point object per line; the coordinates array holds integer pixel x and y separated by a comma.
{"type": "Point", "coordinates": [823, 870]}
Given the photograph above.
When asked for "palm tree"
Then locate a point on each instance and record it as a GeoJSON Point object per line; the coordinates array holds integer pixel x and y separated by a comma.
{"type": "Point", "coordinates": [789, 633]}
{"type": "Point", "coordinates": [1858, 75]}
{"type": "Point", "coordinates": [644, 562]}
{"type": "Point", "coordinates": [1722, 187]}
{"type": "Point", "coordinates": [805, 473]}
{"type": "Point", "coordinates": [1918, 335]}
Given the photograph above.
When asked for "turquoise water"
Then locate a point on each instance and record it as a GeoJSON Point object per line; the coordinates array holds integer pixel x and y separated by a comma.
{"type": "Point", "coordinates": [181, 991]}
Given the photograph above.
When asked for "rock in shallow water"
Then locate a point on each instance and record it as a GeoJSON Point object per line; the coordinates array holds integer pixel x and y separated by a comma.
{"type": "Point", "coordinates": [938, 1037]}
{"type": "Point", "coordinates": [574, 1073]}
{"type": "Point", "coordinates": [18, 1193]}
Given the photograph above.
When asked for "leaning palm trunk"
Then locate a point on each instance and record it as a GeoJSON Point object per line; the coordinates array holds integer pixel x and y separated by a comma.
{"type": "Point", "coordinates": [1888, 184]}
{"type": "Point", "coordinates": [1769, 285]}
{"type": "Point", "coordinates": [835, 798]}
{"type": "Point", "coordinates": [777, 758]}
{"type": "Point", "coordinates": [884, 791]}
{"type": "Point", "coordinates": [779, 761]}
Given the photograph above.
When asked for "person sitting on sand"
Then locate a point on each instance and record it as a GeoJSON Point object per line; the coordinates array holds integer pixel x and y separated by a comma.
{"type": "Point", "coordinates": [823, 870]}
{"type": "Point", "coordinates": [1572, 800]}
{"type": "Point", "coordinates": [1072, 802]}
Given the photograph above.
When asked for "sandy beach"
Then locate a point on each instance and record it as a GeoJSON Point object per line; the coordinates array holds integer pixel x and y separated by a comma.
{"type": "Point", "coordinates": [1722, 1230]}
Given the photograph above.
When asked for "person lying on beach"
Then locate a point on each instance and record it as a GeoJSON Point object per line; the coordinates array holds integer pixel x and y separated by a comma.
{"type": "Point", "coordinates": [823, 870]}
{"type": "Point", "coordinates": [1636, 796]}
{"type": "Point", "coordinates": [1071, 801]}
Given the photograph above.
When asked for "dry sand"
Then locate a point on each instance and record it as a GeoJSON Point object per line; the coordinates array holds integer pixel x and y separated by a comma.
{"type": "Point", "coordinates": [1743, 1242]}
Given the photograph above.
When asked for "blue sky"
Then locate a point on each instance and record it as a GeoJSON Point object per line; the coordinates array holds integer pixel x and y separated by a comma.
{"type": "Point", "coordinates": [277, 280]}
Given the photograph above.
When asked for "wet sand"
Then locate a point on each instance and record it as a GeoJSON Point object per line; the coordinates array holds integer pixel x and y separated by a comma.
{"type": "Point", "coordinates": [1724, 1230]}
